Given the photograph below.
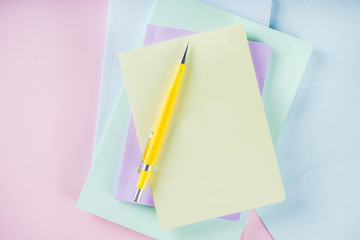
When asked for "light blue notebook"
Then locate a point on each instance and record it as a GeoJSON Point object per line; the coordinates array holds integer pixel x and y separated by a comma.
{"type": "Point", "coordinates": [126, 26]}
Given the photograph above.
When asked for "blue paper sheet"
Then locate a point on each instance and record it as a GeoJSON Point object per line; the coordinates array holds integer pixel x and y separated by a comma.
{"type": "Point", "coordinates": [319, 148]}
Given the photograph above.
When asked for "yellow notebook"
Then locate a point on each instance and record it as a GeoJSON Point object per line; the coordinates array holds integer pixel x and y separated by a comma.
{"type": "Point", "coordinates": [217, 157]}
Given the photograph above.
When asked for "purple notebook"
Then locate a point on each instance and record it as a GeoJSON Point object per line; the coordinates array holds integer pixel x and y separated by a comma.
{"type": "Point", "coordinates": [260, 54]}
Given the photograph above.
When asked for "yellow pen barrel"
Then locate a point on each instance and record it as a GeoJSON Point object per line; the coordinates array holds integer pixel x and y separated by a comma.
{"type": "Point", "coordinates": [143, 179]}
{"type": "Point", "coordinates": [154, 143]}
{"type": "Point", "coordinates": [163, 121]}
{"type": "Point", "coordinates": [174, 89]}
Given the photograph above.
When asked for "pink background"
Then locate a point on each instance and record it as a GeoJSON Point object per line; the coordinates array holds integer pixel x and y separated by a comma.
{"type": "Point", "coordinates": [51, 55]}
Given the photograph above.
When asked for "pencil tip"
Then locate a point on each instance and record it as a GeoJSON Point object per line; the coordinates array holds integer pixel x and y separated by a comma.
{"type": "Point", "coordinates": [184, 54]}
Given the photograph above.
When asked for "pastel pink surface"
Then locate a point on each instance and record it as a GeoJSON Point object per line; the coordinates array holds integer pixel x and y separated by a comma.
{"type": "Point", "coordinates": [50, 70]}
{"type": "Point", "coordinates": [255, 229]}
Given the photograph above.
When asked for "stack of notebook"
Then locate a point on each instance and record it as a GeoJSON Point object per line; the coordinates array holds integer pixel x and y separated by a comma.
{"type": "Point", "coordinates": [217, 160]}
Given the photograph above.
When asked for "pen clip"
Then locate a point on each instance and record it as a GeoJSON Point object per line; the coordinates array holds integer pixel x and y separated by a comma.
{"type": "Point", "coordinates": [141, 164]}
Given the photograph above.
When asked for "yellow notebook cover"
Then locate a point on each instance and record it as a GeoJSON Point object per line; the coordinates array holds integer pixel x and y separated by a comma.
{"type": "Point", "coordinates": [217, 157]}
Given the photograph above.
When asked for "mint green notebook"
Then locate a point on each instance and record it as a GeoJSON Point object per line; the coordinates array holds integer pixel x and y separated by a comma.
{"type": "Point", "coordinates": [288, 60]}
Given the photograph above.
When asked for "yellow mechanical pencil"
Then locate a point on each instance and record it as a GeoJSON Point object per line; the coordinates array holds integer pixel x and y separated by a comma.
{"type": "Point", "coordinates": [155, 140]}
